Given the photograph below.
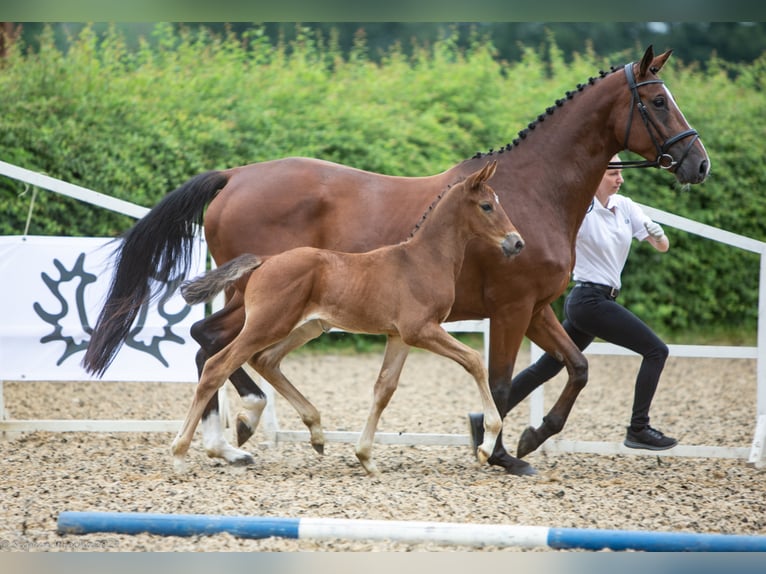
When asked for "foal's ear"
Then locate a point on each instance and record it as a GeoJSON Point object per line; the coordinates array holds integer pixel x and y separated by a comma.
{"type": "Point", "coordinates": [478, 177]}
{"type": "Point", "coordinates": [486, 172]}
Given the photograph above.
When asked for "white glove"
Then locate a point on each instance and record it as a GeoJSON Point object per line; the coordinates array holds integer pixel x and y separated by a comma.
{"type": "Point", "coordinates": [654, 229]}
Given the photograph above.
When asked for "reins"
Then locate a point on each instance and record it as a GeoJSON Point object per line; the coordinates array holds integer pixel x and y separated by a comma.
{"type": "Point", "coordinates": [664, 159]}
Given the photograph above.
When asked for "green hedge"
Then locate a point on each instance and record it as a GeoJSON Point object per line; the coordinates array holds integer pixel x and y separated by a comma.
{"type": "Point", "coordinates": [136, 124]}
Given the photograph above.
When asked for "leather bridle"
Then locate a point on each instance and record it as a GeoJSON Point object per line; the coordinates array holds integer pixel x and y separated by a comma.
{"type": "Point", "coordinates": [664, 159]}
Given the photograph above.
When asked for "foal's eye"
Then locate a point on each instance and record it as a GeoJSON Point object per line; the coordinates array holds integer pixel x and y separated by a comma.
{"type": "Point", "coordinates": [487, 207]}
{"type": "Point", "coordinates": [659, 102]}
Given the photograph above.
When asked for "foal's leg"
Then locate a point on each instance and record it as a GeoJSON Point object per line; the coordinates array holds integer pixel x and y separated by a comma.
{"type": "Point", "coordinates": [267, 363]}
{"type": "Point", "coordinates": [434, 338]}
{"type": "Point", "coordinates": [388, 380]}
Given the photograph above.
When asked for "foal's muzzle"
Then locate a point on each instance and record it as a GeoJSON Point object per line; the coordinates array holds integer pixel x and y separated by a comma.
{"type": "Point", "coordinates": [512, 244]}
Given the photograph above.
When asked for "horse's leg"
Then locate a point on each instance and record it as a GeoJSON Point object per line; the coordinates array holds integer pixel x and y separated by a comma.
{"type": "Point", "coordinates": [267, 364]}
{"type": "Point", "coordinates": [214, 374]}
{"type": "Point", "coordinates": [504, 342]}
{"type": "Point", "coordinates": [213, 333]}
{"type": "Point", "coordinates": [434, 338]}
{"type": "Point", "coordinates": [546, 331]}
{"type": "Point", "coordinates": [213, 440]}
{"type": "Point", "coordinates": [385, 385]}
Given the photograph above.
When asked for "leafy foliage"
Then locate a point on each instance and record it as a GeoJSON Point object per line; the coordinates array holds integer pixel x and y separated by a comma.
{"type": "Point", "coordinates": [137, 122]}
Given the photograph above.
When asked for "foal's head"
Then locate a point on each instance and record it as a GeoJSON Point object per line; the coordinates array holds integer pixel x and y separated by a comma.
{"type": "Point", "coordinates": [486, 218]}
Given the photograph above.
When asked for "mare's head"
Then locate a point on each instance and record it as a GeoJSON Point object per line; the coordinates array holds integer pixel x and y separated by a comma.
{"type": "Point", "coordinates": [651, 124]}
{"type": "Point", "coordinates": [485, 217]}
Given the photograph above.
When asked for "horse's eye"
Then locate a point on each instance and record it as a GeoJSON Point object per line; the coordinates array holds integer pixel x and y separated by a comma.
{"type": "Point", "coordinates": [659, 102]}
{"type": "Point", "coordinates": [487, 207]}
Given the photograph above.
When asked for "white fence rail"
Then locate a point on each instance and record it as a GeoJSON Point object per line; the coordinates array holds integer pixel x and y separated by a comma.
{"type": "Point", "coordinates": [755, 454]}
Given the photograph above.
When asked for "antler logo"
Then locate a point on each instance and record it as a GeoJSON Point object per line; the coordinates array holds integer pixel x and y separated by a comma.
{"type": "Point", "coordinates": [71, 343]}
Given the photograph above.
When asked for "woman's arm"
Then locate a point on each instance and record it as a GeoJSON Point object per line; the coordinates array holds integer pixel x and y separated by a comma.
{"type": "Point", "coordinates": [657, 237]}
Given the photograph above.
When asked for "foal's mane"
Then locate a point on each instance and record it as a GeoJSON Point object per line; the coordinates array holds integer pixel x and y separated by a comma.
{"type": "Point", "coordinates": [522, 135]}
{"type": "Point", "coordinates": [431, 207]}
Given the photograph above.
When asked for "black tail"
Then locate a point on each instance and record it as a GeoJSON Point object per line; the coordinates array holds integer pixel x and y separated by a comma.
{"type": "Point", "coordinates": [154, 252]}
{"type": "Point", "coordinates": [207, 286]}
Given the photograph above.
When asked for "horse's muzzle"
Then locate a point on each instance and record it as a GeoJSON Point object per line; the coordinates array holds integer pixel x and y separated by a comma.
{"type": "Point", "coordinates": [512, 244]}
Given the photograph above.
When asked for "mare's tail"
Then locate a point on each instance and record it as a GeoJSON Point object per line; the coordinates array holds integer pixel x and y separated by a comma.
{"type": "Point", "coordinates": [155, 252]}
{"type": "Point", "coordinates": [207, 286]}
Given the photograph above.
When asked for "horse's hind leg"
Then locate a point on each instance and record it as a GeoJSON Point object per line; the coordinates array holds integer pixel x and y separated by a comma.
{"type": "Point", "coordinates": [267, 364]}
{"type": "Point", "coordinates": [213, 440]}
{"type": "Point", "coordinates": [546, 331]}
{"type": "Point", "coordinates": [214, 375]}
{"type": "Point", "coordinates": [388, 380]}
{"type": "Point", "coordinates": [213, 333]}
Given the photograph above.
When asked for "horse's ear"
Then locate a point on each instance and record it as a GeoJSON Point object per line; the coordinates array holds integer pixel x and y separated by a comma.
{"type": "Point", "coordinates": [646, 61]}
{"type": "Point", "coordinates": [650, 63]}
{"type": "Point", "coordinates": [659, 61]}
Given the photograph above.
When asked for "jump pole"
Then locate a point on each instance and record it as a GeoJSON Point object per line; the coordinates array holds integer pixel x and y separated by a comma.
{"type": "Point", "coordinates": [412, 532]}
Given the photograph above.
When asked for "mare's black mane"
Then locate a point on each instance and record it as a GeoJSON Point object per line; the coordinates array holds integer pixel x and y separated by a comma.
{"type": "Point", "coordinates": [541, 118]}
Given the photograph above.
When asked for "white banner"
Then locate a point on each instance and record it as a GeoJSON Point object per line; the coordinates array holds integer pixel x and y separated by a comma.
{"type": "Point", "coordinates": [51, 292]}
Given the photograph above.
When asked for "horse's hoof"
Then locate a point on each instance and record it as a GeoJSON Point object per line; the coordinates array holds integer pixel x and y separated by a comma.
{"type": "Point", "coordinates": [319, 447]}
{"type": "Point", "coordinates": [520, 468]}
{"type": "Point", "coordinates": [243, 460]}
{"type": "Point", "coordinates": [244, 432]}
{"type": "Point", "coordinates": [476, 430]}
{"type": "Point", "coordinates": [528, 442]}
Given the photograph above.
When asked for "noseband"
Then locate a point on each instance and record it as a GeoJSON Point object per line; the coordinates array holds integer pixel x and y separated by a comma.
{"type": "Point", "coordinates": [664, 159]}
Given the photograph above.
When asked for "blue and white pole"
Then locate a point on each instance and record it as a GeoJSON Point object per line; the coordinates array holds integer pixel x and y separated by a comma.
{"type": "Point", "coordinates": [412, 532]}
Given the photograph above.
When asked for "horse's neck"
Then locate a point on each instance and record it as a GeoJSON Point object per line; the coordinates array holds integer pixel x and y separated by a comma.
{"type": "Point", "coordinates": [560, 162]}
{"type": "Point", "coordinates": [442, 234]}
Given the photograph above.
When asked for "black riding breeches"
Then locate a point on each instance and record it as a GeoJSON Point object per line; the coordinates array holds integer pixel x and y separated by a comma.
{"type": "Point", "coordinates": [591, 313]}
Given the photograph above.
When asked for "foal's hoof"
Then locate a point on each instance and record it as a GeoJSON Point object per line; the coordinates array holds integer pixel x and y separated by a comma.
{"type": "Point", "coordinates": [476, 430]}
{"type": "Point", "coordinates": [244, 432]}
{"type": "Point", "coordinates": [528, 442]}
{"type": "Point", "coordinates": [319, 448]}
{"type": "Point", "coordinates": [242, 460]}
{"type": "Point", "coordinates": [180, 466]}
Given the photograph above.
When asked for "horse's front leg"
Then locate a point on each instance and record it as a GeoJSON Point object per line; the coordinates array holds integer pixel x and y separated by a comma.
{"type": "Point", "coordinates": [385, 385]}
{"type": "Point", "coordinates": [546, 331]}
{"type": "Point", "coordinates": [504, 343]}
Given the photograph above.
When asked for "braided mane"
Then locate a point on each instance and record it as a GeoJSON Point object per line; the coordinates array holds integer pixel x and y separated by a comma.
{"type": "Point", "coordinates": [541, 118]}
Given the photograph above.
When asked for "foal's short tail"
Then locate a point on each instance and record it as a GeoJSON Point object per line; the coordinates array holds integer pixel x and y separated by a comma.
{"type": "Point", "coordinates": [154, 253]}
{"type": "Point", "coordinates": [207, 286]}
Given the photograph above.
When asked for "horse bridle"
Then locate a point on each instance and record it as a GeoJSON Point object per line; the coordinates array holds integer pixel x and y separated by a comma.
{"type": "Point", "coordinates": [664, 159]}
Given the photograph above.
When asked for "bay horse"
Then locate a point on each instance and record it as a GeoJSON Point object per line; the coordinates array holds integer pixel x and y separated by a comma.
{"type": "Point", "coordinates": [404, 291]}
{"type": "Point", "coordinates": [548, 175]}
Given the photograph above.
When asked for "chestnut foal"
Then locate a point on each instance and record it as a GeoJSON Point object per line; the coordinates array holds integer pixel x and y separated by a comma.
{"type": "Point", "coordinates": [403, 291]}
